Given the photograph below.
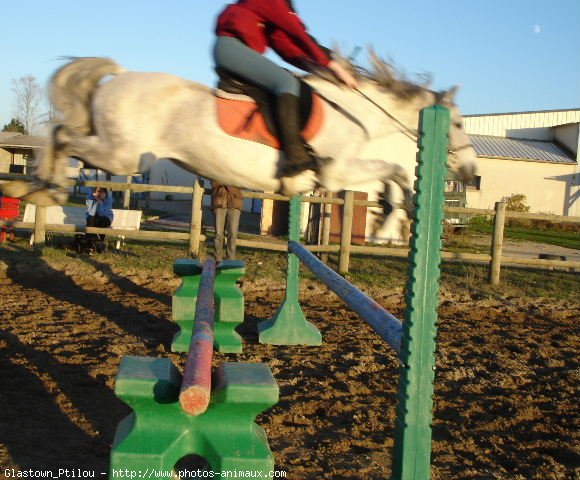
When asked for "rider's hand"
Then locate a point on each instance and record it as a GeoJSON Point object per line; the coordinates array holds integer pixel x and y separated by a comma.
{"type": "Point", "coordinates": [342, 74]}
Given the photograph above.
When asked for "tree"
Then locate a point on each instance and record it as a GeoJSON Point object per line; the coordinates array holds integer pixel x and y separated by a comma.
{"type": "Point", "coordinates": [28, 97]}
{"type": "Point", "coordinates": [15, 125]}
{"type": "Point", "coordinates": [49, 111]}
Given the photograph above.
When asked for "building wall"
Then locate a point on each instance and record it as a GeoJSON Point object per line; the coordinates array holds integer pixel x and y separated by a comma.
{"type": "Point", "coordinates": [567, 136]}
{"type": "Point", "coordinates": [165, 172]}
{"type": "Point", "coordinates": [528, 125]}
{"type": "Point", "coordinates": [548, 187]}
{"type": "Point", "coordinates": [5, 160]}
{"type": "Point", "coordinates": [15, 156]}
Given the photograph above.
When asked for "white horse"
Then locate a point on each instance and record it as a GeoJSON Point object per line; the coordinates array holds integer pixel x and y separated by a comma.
{"type": "Point", "coordinates": [122, 122]}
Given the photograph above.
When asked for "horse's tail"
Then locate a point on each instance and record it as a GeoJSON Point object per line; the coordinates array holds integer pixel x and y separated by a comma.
{"type": "Point", "coordinates": [72, 87]}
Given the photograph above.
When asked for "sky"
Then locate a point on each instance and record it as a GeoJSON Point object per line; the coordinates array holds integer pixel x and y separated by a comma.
{"type": "Point", "coordinates": [507, 55]}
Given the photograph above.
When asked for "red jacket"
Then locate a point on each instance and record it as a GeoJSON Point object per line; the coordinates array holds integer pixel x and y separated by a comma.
{"type": "Point", "coordinates": [254, 21]}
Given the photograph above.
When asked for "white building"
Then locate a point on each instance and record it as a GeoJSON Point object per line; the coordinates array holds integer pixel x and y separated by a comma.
{"type": "Point", "coordinates": [530, 153]}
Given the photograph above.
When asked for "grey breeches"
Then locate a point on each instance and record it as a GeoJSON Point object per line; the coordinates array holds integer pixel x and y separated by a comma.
{"type": "Point", "coordinates": [234, 56]}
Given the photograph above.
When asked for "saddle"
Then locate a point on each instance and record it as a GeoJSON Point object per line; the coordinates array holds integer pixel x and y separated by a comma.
{"type": "Point", "coordinates": [247, 111]}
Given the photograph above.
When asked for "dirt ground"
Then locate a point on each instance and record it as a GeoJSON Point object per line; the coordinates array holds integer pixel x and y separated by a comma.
{"type": "Point", "coordinates": [506, 388]}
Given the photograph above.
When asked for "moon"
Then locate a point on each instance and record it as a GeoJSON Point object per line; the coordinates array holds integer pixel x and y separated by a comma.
{"type": "Point", "coordinates": [537, 28]}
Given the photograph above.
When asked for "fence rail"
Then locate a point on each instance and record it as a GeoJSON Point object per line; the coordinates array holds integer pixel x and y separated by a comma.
{"type": "Point", "coordinates": [495, 258]}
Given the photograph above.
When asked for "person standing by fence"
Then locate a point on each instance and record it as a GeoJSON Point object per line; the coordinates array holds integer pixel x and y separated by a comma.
{"type": "Point", "coordinates": [227, 203]}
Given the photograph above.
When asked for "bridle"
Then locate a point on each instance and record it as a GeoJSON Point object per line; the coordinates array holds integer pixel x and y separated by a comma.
{"type": "Point", "coordinates": [410, 133]}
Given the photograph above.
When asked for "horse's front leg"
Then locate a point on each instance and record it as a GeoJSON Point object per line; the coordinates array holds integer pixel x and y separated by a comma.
{"type": "Point", "coordinates": [361, 171]}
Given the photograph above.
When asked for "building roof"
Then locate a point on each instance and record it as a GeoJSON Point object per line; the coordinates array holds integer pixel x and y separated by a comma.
{"type": "Point", "coordinates": [5, 135]}
{"type": "Point", "coordinates": [521, 113]}
{"type": "Point", "coordinates": [520, 149]}
{"type": "Point", "coordinates": [14, 139]}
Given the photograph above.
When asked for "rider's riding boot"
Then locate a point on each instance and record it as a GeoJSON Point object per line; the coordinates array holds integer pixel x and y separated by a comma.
{"type": "Point", "coordinates": [298, 156]}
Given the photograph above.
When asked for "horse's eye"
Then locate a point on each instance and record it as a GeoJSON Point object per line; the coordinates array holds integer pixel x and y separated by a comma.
{"type": "Point", "coordinates": [458, 125]}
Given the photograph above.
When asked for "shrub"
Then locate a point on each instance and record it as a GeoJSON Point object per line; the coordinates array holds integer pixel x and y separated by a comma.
{"type": "Point", "coordinates": [516, 202]}
{"type": "Point", "coordinates": [480, 220]}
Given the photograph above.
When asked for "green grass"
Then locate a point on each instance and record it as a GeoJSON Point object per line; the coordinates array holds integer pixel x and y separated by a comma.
{"type": "Point", "coordinates": [551, 237]}
{"type": "Point", "coordinates": [366, 271]}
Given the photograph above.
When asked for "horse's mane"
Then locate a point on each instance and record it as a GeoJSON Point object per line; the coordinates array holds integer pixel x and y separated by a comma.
{"type": "Point", "coordinates": [385, 75]}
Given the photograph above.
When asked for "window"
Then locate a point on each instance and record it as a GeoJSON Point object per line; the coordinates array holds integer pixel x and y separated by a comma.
{"type": "Point", "coordinates": [453, 186]}
{"type": "Point", "coordinates": [474, 183]}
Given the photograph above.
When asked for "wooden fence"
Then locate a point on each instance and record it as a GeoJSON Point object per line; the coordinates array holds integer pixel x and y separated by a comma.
{"type": "Point", "coordinates": [344, 249]}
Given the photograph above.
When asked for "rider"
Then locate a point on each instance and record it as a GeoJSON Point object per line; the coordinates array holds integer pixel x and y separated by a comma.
{"type": "Point", "coordinates": [244, 30]}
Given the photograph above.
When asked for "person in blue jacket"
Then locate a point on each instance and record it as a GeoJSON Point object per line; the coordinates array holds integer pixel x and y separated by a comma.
{"type": "Point", "coordinates": [99, 214]}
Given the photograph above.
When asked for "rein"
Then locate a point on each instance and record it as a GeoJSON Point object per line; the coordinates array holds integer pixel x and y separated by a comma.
{"type": "Point", "coordinates": [342, 111]}
{"type": "Point", "coordinates": [409, 132]}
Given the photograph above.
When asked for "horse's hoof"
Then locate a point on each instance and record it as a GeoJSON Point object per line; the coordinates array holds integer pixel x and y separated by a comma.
{"type": "Point", "coordinates": [15, 188]}
{"type": "Point", "coordinates": [304, 182]}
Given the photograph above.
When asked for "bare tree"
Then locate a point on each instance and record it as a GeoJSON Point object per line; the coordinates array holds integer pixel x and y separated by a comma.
{"type": "Point", "coordinates": [28, 97]}
{"type": "Point", "coordinates": [49, 113]}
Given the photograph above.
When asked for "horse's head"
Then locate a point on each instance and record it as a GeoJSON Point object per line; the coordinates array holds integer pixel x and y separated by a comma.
{"type": "Point", "coordinates": [412, 96]}
{"type": "Point", "coordinates": [462, 156]}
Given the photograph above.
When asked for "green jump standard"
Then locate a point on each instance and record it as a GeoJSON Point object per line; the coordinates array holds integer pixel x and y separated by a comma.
{"type": "Point", "coordinates": [289, 326]}
{"type": "Point", "coordinates": [158, 433]}
{"type": "Point", "coordinates": [229, 303]}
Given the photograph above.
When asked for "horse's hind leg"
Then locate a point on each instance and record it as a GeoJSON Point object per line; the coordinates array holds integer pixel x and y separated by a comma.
{"type": "Point", "coordinates": [98, 154]}
{"type": "Point", "coordinates": [48, 186]}
{"type": "Point", "coordinates": [69, 143]}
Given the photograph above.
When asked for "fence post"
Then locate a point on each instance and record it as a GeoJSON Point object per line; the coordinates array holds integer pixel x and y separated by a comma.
{"type": "Point", "coordinates": [39, 227]}
{"type": "Point", "coordinates": [127, 195]}
{"type": "Point", "coordinates": [497, 243]}
{"type": "Point", "coordinates": [346, 232]}
{"type": "Point", "coordinates": [196, 217]}
{"type": "Point", "coordinates": [326, 215]}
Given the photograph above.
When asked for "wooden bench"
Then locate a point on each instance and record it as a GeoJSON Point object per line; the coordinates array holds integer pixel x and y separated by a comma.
{"type": "Point", "coordinates": [59, 215]}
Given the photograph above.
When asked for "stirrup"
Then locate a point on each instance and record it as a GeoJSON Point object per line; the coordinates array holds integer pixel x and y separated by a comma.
{"type": "Point", "coordinates": [316, 161]}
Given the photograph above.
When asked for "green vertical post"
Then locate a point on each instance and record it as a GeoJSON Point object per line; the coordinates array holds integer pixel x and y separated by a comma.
{"type": "Point", "coordinates": [288, 326]}
{"type": "Point", "coordinates": [412, 450]}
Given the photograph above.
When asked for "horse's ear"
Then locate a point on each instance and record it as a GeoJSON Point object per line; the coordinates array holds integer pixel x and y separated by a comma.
{"type": "Point", "coordinates": [449, 96]}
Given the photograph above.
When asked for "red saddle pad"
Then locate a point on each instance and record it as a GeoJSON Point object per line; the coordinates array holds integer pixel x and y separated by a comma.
{"type": "Point", "coordinates": [242, 119]}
